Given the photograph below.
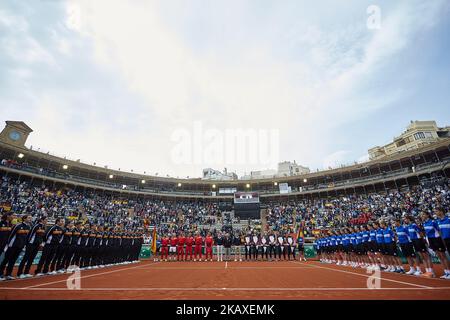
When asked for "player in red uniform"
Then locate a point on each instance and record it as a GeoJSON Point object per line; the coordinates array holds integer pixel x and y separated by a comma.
{"type": "Point", "coordinates": [189, 243]}
{"type": "Point", "coordinates": [209, 242]}
{"type": "Point", "coordinates": [198, 247]}
{"type": "Point", "coordinates": [164, 248]}
{"type": "Point", "coordinates": [173, 247]}
{"type": "Point", "coordinates": [180, 251]}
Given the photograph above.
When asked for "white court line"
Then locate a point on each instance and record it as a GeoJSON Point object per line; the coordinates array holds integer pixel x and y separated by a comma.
{"type": "Point", "coordinates": [47, 276]}
{"type": "Point", "coordinates": [93, 275]}
{"type": "Point", "coordinates": [187, 268]}
{"type": "Point", "coordinates": [178, 268]}
{"type": "Point", "coordinates": [367, 276]}
{"type": "Point", "coordinates": [408, 276]}
{"type": "Point", "coordinates": [299, 267]}
{"type": "Point", "coordinates": [228, 267]}
{"type": "Point", "coordinates": [228, 289]}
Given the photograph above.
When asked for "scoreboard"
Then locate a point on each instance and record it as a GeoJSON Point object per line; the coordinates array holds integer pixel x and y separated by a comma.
{"type": "Point", "coordinates": [246, 197]}
{"type": "Point", "coordinates": [246, 205]}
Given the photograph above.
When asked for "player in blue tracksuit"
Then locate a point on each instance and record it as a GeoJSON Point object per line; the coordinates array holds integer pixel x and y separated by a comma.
{"type": "Point", "coordinates": [327, 245]}
{"type": "Point", "coordinates": [340, 247]}
{"type": "Point", "coordinates": [330, 250]}
{"type": "Point", "coordinates": [434, 240]}
{"type": "Point", "coordinates": [390, 249]}
{"type": "Point", "coordinates": [325, 248]}
{"type": "Point", "coordinates": [443, 222]}
{"type": "Point", "coordinates": [405, 244]}
{"type": "Point", "coordinates": [359, 246]}
{"type": "Point", "coordinates": [346, 246]}
{"type": "Point", "coordinates": [319, 248]}
{"type": "Point", "coordinates": [372, 247]}
{"type": "Point", "coordinates": [334, 247]}
{"type": "Point", "coordinates": [380, 244]}
{"type": "Point", "coordinates": [330, 244]}
{"type": "Point", "coordinates": [416, 235]}
{"type": "Point", "coordinates": [365, 244]}
{"type": "Point", "coordinates": [353, 247]}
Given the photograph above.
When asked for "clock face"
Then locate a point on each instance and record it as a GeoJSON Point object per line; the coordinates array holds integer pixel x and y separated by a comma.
{"type": "Point", "coordinates": [14, 135]}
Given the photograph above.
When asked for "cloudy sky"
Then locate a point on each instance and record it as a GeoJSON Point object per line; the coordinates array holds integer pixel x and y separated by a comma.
{"type": "Point", "coordinates": [155, 86]}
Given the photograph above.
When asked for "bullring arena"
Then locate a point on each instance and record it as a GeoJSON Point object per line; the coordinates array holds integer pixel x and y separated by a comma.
{"type": "Point", "coordinates": [108, 208]}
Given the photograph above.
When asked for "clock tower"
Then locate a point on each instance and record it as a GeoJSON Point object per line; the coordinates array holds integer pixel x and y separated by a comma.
{"type": "Point", "coordinates": [15, 133]}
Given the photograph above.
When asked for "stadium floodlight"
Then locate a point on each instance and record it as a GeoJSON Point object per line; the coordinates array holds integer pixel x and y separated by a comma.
{"type": "Point", "coordinates": [65, 167]}
{"type": "Point", "coordinates": [305, 180]}
{"type": "Point", "coordinates": [111, 176]}
{"type": "Point", "coordinates": [214, 186]}
{"type": "Point", "coordinates": [275, 183]}
{"type": "Point", "coordinates": [247, 185]}
{"type": "Point", "coordinates": [143, 181]}
{"type": "Point", "coordinates": [179, 184]}
{"type": "Point", "coordinates": [20, 155]}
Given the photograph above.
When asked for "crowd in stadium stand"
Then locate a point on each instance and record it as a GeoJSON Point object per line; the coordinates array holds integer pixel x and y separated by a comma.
{"type": "Point", "coordinates": [358, 209]}
{"type": "Point", "coordinates": [314, 214]}
{"type": "Point", "coordinates": [103, 209]}
{"type": "Point", "coordinates": [172, 217]}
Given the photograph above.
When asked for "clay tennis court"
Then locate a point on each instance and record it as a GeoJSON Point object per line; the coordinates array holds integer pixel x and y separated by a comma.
{"type": "Point", "coordinates": [227, 280]}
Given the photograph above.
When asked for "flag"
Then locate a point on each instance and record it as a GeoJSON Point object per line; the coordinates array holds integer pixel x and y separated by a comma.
{"type": "Point", "coordinates": [154, 241]}
{"type": "Point", "coordinates": [300, 233]}
{"type": "Point", "coordinates": [300, 230]}
{"type": "Point", "coordinates": [300, 227]}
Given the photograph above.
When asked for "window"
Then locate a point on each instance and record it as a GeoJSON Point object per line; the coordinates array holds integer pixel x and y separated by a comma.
{"type": "Point", "coordinates": [419, 135]}
{"type": "Point", "coordinates": [428, 135]}
{"type": "Point", "coordinates": [401, 143]}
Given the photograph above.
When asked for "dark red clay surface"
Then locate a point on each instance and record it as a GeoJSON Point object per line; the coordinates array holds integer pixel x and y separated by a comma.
{"type": "Point", "coordinates": [232, 280]}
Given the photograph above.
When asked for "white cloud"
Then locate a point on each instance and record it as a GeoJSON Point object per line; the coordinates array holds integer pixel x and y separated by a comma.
{"type": "Point", "coordinates": [300, 76]}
